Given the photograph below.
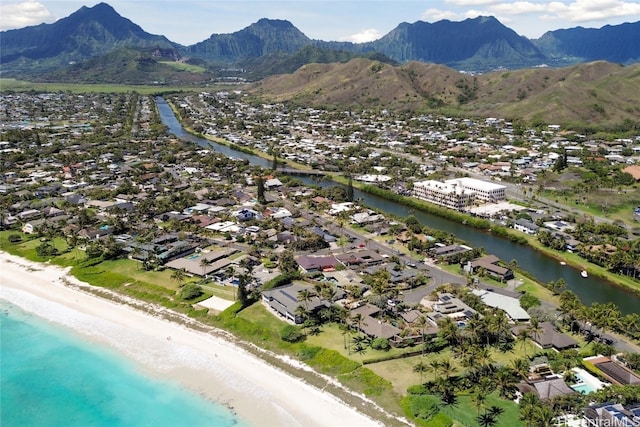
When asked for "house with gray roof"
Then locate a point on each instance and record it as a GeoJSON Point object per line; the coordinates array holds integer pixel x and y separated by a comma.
{"type": "Point", "coordinates": [525, 226]}
{"type": "Point", "coordinates": [310, 264]}
{"type": "Point", "coordinates": [284, 301]}
{"type": "Point", "coordinates": [546, 389]}
{"type": "Point", "coordinates": [549, 337]}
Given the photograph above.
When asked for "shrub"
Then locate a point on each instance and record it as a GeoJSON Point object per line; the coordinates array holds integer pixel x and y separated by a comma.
{"type": "Point", "coordinates": [380, 344]}
{"type": "Point", "coordinates": [15, 238]}
{"type": "Point", "coordinates": [291, 333]}
{"type": "Point", "coordinates": [423, 407]}
{"type": "Point", "coordinates": [527, 301]}
{"type": "Point", "coordinates": [190, 291]}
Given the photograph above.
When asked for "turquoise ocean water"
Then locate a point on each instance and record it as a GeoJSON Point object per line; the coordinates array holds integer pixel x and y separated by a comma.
{"type": "Point", "coordinates": [49, 376]}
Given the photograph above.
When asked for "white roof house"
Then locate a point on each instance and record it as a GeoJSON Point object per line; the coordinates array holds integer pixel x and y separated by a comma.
{"type": "Point", "coordinates": [510, 305]}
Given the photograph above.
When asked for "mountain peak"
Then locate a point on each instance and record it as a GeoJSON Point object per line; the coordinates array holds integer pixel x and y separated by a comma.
{"type": "Point", "coordinates": [277, 23]}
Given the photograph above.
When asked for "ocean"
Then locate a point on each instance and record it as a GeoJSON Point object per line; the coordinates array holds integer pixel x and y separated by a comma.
{"type": "Point", "coordinates": [50, 376]}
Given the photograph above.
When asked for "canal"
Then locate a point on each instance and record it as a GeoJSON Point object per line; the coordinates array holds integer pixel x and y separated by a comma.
{"type": "Point", "coordinates": [545, 269]}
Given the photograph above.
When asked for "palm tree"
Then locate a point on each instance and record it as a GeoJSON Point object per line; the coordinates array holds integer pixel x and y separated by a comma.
{"type": "Point", "coordinates": [569, 303]}
{"type": "Point", "coordinates": [528, 404]}
{"type": "Point", "coordinates": [479, 398]}
{"type": "Point", "coordinates": [482, 359]}
{"type": "Point", "coordinates": [449, 331]}
{"type": "Point", "coordinates": [520, 367]}
{"type": "Point", "coordinates": [422, 323]}
{"type": "Point", "coordinates": [357, 319]}
{"type": "Point", "coordinates": [421, 367]}
{"type": "Point", "coordinates": [305, 296]}
{"type": "Point", "coordinates": [434, 366]}
{"type": "Point", "coordinates": [360, 342]}
{"type": "Point", "coordinates": [447, 369]}
{"type": "Point", "coordinates": [302, 313]}
{"type": "Point", "coordinates": [243, 297]}
{"type": "Point", "coordinates": [544, 416]}
{"type": "Point", "coordinates": [179, 276]}
{"type": "Point", "coordinates": [505, 382]}
{"type": "Point", "coordinates": [522, 337]}
{"type": "Point", "coordinates": [204, 263]}
{"type": "Point", "coordinates": [535, 328]}
{"type": "Point", "coordinates": [486, 420]}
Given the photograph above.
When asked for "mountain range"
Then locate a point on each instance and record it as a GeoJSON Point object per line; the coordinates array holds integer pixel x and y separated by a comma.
{"type": "Point", "coordinates": [479, 44]}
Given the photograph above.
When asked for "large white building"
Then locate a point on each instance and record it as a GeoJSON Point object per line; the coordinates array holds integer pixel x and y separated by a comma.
{"type": "Point", "coordinates": [459, 193]}
{"type": "Point", "coordinates": [486, 191]}
{"type": "Point", "coordinates": [441, 193]}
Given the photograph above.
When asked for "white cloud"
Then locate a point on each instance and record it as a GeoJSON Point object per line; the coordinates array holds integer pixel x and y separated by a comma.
{"type": "Point", "coordinates": [433, 15]}
{"type": "Point", "coordinates": [472, 3]}
{"type": "Point", "coordinates": [521, 7]}
{"type": "Point", "coordinates": [475, 13]}
{"type": "Point", "coordinates": [365, 35]}
{"type": "Point", "coordinates": [574, 11]}
{"type": "Point", "coordinates": [18, 15]}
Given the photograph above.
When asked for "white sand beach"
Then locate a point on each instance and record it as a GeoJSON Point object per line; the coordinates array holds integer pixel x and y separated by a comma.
{"type": "Point", "coordinates": [214, 367]}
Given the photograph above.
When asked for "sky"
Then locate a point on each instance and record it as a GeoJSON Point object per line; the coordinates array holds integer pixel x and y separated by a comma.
{"type": "Point", "coordinates": [191, 21]}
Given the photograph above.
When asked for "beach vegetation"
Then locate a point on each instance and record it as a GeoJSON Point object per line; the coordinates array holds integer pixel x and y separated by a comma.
{"type": "Point", "coordinates": [291, 333]}
{"type": "Point", "coordinates": [191, 291]}
{"type": "Point", "coordinates": [46, 249]}
{"type": "Point", "coordinates": [14, 238]}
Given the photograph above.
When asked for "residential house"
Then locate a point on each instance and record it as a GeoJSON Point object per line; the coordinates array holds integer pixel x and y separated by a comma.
{"type": "Point", "coordinates": [549, 337]}
{"type": "Point", "coordinates": [525, 226]}
{"type": "Point", "coordinates": [363, 258]}
{"type": "Point", "coordinates": [615, 372]}
{"type": "Point", "coordinates": [373, 327]}
{"type": "Point", "coordinates": [447, 251]}
{"type": "Point", "coordinates": [612, 414]}
{"type": "Point", "coordinates": [284, 301]}
{"type": "Point", "coordinates": [546, 389]}
{"type": "Point", "coordinates": [509, 304]}
{"type": "Point", "coordinates": [246, 215]}
{"type": "Point", "coordinates": [448, 305]}
{"type": "Point", "coordinates": [490, 264]}
{"type": "Point", "coordinates": [310, 264]}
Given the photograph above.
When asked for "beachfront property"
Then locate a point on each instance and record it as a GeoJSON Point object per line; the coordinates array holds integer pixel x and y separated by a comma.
{"type": "Point", "coordinates": [285, 301]}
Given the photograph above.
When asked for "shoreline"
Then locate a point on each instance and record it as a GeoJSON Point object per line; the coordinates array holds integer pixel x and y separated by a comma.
{"type": "Point", "coordinates": [208, 364]}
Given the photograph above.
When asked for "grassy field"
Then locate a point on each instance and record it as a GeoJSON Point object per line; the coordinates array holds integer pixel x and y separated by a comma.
{"type": "Point", "coordinates": [181, 66]}
{"type": "Point", "coordinates": [22, 85]}
{"type": "Point", "coordinates": [400, 371]}
{"type": "Point", "coordinates": [465, 412]}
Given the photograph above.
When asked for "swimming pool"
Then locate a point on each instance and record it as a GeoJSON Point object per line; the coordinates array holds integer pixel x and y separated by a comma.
{"type": "Point", "coordinates": [587, 383]}
{"type": "Point", "coordinates": [583, 388]}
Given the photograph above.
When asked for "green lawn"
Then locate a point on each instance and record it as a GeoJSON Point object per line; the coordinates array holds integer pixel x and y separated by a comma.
{"type": "Point", "coordinates": [225, 292]}
{"type": "Point", "coordinates": [465, 412]}
{"type": "Point", "coordinates": [400, 371]}
{"type": "Point", "coordinates": [134, 270]}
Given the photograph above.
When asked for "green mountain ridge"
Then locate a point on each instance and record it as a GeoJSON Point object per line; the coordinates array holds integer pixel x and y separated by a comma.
{"type": "Point", "coordinates": [479, 44]}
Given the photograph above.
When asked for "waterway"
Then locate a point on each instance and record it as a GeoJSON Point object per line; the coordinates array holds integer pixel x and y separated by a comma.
{"type": "Point", "coordinates": [544, 268]}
